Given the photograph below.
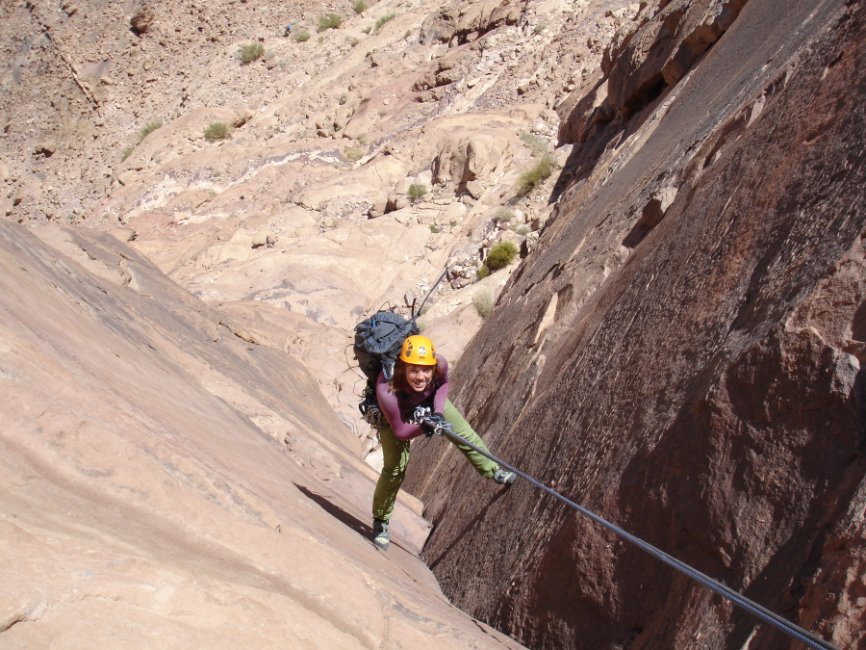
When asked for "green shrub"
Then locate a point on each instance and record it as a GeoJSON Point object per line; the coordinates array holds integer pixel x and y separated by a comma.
{"type": "Point", "coordinates": [482, 272]}
{"type": "Point", "coordinates": [536, 144]}
{"type": "Point", "coordinates": [360, 6]}
{"type": "Point", "coordinates": [329, 21]}
{"type": "Point", "coordinates": [216, 131]}
{"type": "Point", "coordinates": [522, 229]}
{"type": "Point", "coordinates": [501, 255]}
{"type": "Point", "coordinates": [143, 132]}
{"type": "Point", "coordinates": [483, 301]}
{"type": "Point", "coordinates": [384, 19]}
{"type": "Point", "coordinates": [148, 128]}
{"type": "Point", "coordinates": [250, 52]}
{"type": "Point", "coordinates": [435, 228]}
{"type": "Point", "coordinates": [354, 153]}
{"type": "Point", "coordinates": [529, 180]}
{"type": "Point", "coordinates": [302, 36]}
{"type": "Point", "coordinates": [417, 191]}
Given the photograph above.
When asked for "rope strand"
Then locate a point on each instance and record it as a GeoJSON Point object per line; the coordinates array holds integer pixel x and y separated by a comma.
{"type": "Point", "coordinates": [786, 626]}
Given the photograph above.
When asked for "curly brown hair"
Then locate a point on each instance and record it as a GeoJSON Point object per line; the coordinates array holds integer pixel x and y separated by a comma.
{"type": "Point", "coordinates": [399, 384]}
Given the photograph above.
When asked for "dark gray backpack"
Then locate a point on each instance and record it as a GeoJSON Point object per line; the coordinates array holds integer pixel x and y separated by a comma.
{"type": "Point", "coordinates": [378, 340]}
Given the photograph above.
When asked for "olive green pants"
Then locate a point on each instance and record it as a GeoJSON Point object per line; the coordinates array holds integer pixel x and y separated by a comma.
{"type": "Point", "coordinates": [396, 456]}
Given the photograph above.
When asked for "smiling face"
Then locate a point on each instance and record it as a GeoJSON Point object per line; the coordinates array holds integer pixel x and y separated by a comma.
{"type": "Point", "coordinates": [419, 377]}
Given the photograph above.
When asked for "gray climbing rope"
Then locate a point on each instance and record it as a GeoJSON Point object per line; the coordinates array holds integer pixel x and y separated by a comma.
{"type": "Point", "coordinates": [792, 630]}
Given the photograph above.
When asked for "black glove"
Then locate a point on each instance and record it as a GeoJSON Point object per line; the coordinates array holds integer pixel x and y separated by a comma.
{"type": "Point", "coordinates": [433, 424]}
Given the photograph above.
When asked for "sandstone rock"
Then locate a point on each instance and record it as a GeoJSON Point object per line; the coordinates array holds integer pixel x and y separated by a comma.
{"type": "Point", "coordinates": [466, 156]}
{"type": "Point", "coordinates": [45, 148]}
{"type": "Point", "coordinates": [141, 21]}
{"type": "Point", "coordinates": [586, 110]}
{"type": "Point", "coordinates": [704, 371]}
{"type": "Point", "coordinates": [463, 23]}
{"type": "Point", "coordinates": [232, 482]}
{"type": "Point", "coordinates": [475, 189]}
{"type": "Point", "coordinates": [664, 48]}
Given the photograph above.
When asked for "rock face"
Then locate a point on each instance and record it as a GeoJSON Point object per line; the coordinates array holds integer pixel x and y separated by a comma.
{"type": "Point", "coordinates": [197, 233]}
{"type": "Point", "coordinates": [168, 481]}
{"type": "Point", "coordinates": [682, 354]}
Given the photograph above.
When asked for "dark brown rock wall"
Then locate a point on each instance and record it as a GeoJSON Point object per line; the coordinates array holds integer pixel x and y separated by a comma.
{"type": "Point", "coordinates": [691, 377]}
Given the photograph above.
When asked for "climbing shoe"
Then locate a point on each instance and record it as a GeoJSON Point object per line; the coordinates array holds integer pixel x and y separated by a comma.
{"type": "Point", "coordinates": [380, 534]}
{"type": "Point", "coordinates": [504, 477]}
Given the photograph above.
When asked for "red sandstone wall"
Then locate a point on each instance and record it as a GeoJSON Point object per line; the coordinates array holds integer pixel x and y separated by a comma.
{"type": "Point", "coordinates": [688, 371]}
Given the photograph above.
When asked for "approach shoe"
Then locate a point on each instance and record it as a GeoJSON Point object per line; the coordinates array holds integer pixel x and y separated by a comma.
{"type": "Point", "coordinates": [504, 477]}
{"type": "Point", "coordinates": [380, 534]}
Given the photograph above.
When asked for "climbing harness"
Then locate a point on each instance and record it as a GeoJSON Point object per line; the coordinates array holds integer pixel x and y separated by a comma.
{"type": "Point", "coordinates": [735, 597]}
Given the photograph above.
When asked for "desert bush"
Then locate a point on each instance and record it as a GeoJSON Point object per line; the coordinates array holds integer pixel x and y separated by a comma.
{"type": "Point", "coordinates": [360, 6]}
{"type": "Point", "coordinates": [216, 131]}
{"type": "Point", "coordinates": [501, 255]}
{"type": "Point", "coordinates": [435, 228]}
{"type": "Point", "coordinates": [482, 272]}
{"type": "Point", "coordinates": [536, 144]}
{"type": "Point", "coordinates": [148, 128]}
{"type": "Point", "coordinates": [329, 21]}
{"type": "Point", "coordinates": [143, 132]}
{"type": "Point", "coordinates": [302, 36]}
{"type": "Point", "coordinates": [522, 229]}
{"type": "Point", "coordinates": [250, 52]}
{"type": "Point", "coordinates": [384, 19]}
{"type": "Point", "coordinates": [417, 191]}
{"type": "Point", "coordinates": [483, 302]}
{"type": "Point", "coordinates": [530, 179]}
{"type": "Point", "coordinates": [354, 154]}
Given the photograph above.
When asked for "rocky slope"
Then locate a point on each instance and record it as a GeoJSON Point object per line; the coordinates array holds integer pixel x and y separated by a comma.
{"type": "Point", "coordinates": [684, 350]}
{"type": "Point", "coordinates": [679, 349]}
{"type": "Point", "coordinates": [169, 483]}
{"type": "Point", "coordinates": [305, 204]}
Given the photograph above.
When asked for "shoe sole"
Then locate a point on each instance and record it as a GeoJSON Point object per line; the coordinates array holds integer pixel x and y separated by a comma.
{"type": "Point", "coordinates": [383, 545]}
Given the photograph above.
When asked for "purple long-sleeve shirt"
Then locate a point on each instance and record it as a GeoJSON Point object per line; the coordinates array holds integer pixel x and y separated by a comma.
{"type": "Point", "coordinates": [399, 407]}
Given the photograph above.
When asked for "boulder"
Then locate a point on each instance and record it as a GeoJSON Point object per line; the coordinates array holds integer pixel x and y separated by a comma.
{"type": "Point", "coordinates": [469, 155]}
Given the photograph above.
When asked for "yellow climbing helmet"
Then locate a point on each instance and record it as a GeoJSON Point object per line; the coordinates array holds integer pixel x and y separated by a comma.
{"type": "Point", "coordinates": [418, 350]}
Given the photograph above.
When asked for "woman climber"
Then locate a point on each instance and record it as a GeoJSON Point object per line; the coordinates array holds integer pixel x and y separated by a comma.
{"type": "Point", "coordinates": [416, 401]}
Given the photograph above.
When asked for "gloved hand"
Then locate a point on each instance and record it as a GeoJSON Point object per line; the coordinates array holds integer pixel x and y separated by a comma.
{"type": "Point", "coordinates": [434, 424]}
